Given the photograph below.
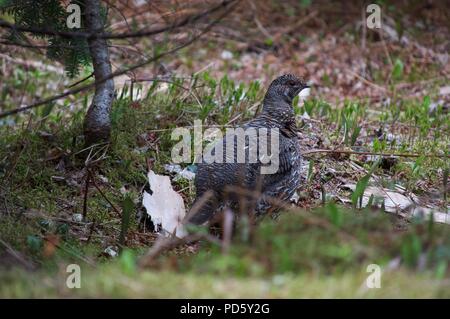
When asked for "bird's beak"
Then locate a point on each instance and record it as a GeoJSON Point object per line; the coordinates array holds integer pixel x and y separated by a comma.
{"type": "Point", "coordinates": [299, 88]}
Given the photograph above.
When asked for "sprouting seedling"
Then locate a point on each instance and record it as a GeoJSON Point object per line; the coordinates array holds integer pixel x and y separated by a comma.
{"type": "Point", "coordinates": [297, 109]}
{"type": "Point", "coordinates": [127, 208]}
{"type": "Point", "coordinates": [361, 186]}
{"type": "Point", "coordinates": [370, 202]}
{"type": "Point", "coordinates": [359, 190]}
{"type": "Point", "coordinates": [411, 249]}
{"type": "Point", "coordinates": [335, 215]}
{"type": "Point", "coordinates": [397, 71]}
{"type": "Point", "coordinates": [309, 107]}
{"type": "Point", "coordinates": [310, 171]}
{"type": "Point", "coordinates": [355, 134]}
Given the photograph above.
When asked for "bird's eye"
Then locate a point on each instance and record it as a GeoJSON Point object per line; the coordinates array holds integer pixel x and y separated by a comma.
{"type": "Point", "coordinates": [291, 83]}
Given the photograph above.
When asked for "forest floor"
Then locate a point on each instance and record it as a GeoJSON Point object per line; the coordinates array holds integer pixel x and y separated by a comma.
{"type": "Point", "coordinates": [375, 92]}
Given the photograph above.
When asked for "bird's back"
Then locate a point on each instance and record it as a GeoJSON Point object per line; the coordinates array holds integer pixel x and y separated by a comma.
{"type": "Point", "coordinates": [226, 179]}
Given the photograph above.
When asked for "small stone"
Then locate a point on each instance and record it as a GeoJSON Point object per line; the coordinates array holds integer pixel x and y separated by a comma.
{"type": "Point", "coordinates": [77, 218]}
{"type": "Point", "coordinates": [104, 179]}
{"type": "Point", "coordinates": [226, 55]}
{"type": "Point", "coordinates": [295, 198]}
{"type": "Point", "coordinates": [123, 190]}
{"type": "Point", "coordinates": [173, 168]}
{"type": "Point", "coordinates": [186, 174]}
{"type": "Point", "coordinates": [445, 90]}
{"type": "Point", "coordinates": [110, 250]}
{"type": "Point", "coordinates": [278, 280]}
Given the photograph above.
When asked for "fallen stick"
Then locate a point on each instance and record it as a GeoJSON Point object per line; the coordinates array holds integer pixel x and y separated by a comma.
{"type": "Point", "coordinates": [374, 153]}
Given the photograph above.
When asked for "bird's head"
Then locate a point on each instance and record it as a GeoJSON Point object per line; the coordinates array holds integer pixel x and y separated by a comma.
{"type": "Point", "coordinates": [285, 88]}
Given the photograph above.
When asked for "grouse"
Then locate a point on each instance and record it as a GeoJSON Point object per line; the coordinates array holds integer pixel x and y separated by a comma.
{"type": "Point", "coordinates": [220, 177]}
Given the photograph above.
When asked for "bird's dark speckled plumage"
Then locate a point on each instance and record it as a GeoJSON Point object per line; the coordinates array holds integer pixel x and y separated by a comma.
{"type": "Point", "coordinates": [277, 113]}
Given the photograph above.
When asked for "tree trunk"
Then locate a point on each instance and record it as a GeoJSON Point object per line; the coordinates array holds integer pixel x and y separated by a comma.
{"type": "Point", "coordinates": [97, 124]}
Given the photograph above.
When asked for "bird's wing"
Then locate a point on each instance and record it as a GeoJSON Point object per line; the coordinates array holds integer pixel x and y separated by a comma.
{"type": "Point", "coordinates": [289, 129]}
{"type": "Point", "coordinates": [285, 158]}
{"type": "Point", "coordinates": [286, 152]}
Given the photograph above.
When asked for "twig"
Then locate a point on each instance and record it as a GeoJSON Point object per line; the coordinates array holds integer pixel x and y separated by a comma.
{"type": "Point", "coordinates": [159, 79]}
{"type": "Point", "coordinates": [294, 27]}
{"type": "Point", "coordinates": [277, 202]}
{"type": "Point", "coordinates": [23, 144]}
{"type": "Point", "coordinates": [104, 35]}
{"type": "Point", "coordinates": [31, 63]}
{"type": "Point", "coordinates": [80, 81]}
{"type": "Point", "coordinates": [258, 23]}
{"type": "Point", "coordinates": [374, 153]}
{"type": "Point", "coordinates": [376, 86]}
{"type": "Point", "coordinates": [103, 195]}
{"type": "Point", "coordinates": [86, 190]}
{"type": "Point", "coordinates": [227, 230]}
{"type": "Point", "coordinates": [91, 232]}
{"type": "Point", "coordinates": [117, 73]}
{"type": "Point", "coordinates": [90, 148]}
{"type": "Point", "coordinates": [161, 244]}
{"type": "Point", "coordinates": [81, 257]}
{"type": "Point", "coordinates": [199, 204]}
{"type": "Point", "coordinates": [166, 243]}
{"type": "Point", "coordinates": [16, 255]}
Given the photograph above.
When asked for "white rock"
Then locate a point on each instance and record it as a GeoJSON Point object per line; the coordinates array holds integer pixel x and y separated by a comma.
{"type": "Point", "coordinates": [123, 190]}
{"type": "Point", "coordinates": [445, 90]}
{"type": "Point", "coordinates": [77, 218]}
{"type": "Point", "coordinates": [173, 168]}
{"type": "Point", "coordinates": [110, 250]}
{"type": "Point", "coordinates": [426, 213]}
{"type": "Point", "coordinates": [226, 55]}
{"type": "Point", "coordinates": [185, 173]}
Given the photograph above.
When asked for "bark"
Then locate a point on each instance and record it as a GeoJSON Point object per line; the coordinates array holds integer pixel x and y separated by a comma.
{"type": "Point", "coordinates": [97, 123]}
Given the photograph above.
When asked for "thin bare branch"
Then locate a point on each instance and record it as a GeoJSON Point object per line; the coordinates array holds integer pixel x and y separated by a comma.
{"type": "Point", "coordinates": [108, 35]}
{"type": "Point", "coordinates": [118, 72]}
{"type": "Point", "coordinates": [374, 153]}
